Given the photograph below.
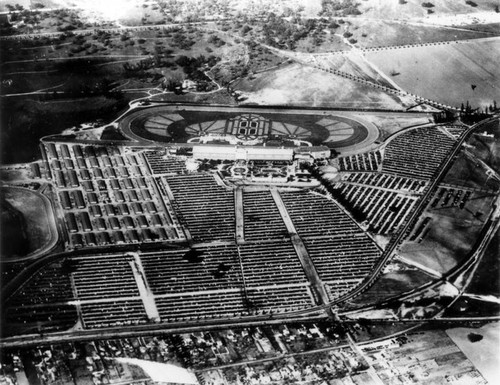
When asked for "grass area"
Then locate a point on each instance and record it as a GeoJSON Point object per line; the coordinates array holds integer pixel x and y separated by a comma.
{"type": "Point", "coordinates": [382, 33]}
{"type": "Point", "coordinates": [485, 280]}
{"type": "Point", "coordinates": [469, 307]}
{"type": "Point", "coordinates": [15, 238]}
{"type": "Point", "coordinates": [452, 233]}
{"type": "Point", "coordinates": [330, 42]}
{"type": "Point", "coordinates": [31, 227]}
{"type": "Point", "coordinates": [25, 121]}
{"type": "Point", "coordinates": [414, 8]}
{"type": "Point", "coordinates": [467, 172]}
{"type": "Point", "coordinates": [452, 73]}
{"type": "Point", "coordinates": [9, 271]}
{"type": "Point", "coordinates": [391, 284]}
{"type": "Point", "coordinates": [486, 148]}
{"type": "Point", "coordinates": [148, 57]}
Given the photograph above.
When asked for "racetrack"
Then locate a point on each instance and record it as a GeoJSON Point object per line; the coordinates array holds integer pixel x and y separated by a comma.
{"type": "Point", "coordinates": [176, 124]}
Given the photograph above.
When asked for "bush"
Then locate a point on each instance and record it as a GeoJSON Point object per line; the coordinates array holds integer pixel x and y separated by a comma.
{"type": "Point", "coordinates": [427, 5]}
{"type": "Point", "coordinates": [471, 3]}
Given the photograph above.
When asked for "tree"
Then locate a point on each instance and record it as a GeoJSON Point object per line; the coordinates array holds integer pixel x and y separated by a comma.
{"type": "Point", "coordinates": [245, 29]}
{"type": "Point", "coordinates": [194, 256]}
{"type": "Point", "coordinates": [333, 25]}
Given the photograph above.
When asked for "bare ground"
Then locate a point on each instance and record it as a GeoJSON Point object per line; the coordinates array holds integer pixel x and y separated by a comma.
{"type": "Point", "coordinates": [299, 85]}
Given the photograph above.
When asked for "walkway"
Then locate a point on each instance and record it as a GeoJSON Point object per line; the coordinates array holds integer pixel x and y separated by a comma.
{"type": "Point", "coordinates": [239, 215]}
{"type": "Point", "coordinates": [300, 249]}
{"type": "Point", "coordinates": [144, 290]}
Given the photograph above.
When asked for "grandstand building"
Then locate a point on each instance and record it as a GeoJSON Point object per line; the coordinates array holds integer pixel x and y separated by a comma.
{"type": "Point", "coordinates": [260, 153]}
{"type": "Point", "coordinates": [242, 153]}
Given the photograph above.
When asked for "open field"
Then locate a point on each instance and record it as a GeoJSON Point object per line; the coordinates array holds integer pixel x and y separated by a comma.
{"type": "Point", "coordinates": [487, 148]}
{"type": "Point", "coordinates": [468, 172]}
{"type": "Point", "coordinates": [414, 9]}
{"type": "Point", "coordinates": [450, 233]}
{"type": "Point", "coordinates": [484, 353]}
{"type": "Point", "coordinates": [331, 42]}
{"type": "Point", "coordinates": [391, 284]}
{"type": "Point", "coordinates": [386, 32]}
{"type": "Point", "coordinates": [20, 135]}
{"type": "Point", "coordinates": [304, 86]}
{"type": "Point", "coordinates": [35, 222]}
{"type": "Point", "coordinates": [452, 73]}
{"type": "Point", "coordinates": [485, 280]}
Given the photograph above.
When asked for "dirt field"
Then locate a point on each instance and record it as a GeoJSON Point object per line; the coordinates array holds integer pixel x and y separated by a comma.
{"type": "Point", "coordinates": [452, 73]}
{"type": "Point", "coordinates": [304, 86]}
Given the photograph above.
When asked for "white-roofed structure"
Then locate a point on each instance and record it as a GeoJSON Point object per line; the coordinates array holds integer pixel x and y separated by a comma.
{"type": "Point", "coordinates": [242, 153]}
{"type": "Point", "coordinates": [162, 373]}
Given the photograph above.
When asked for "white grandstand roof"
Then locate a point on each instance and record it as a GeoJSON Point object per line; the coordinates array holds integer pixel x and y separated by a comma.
{"type": "Point", "coordinates": [242, 152]}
